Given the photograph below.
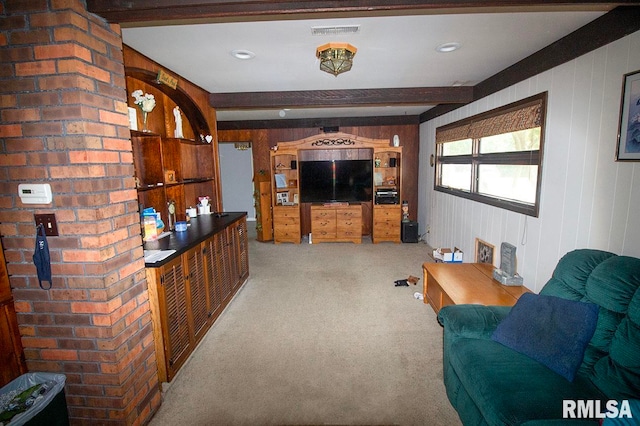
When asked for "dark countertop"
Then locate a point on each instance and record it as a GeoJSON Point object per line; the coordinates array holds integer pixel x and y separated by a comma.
{"type": "Point", "coordinates": [199, 229]}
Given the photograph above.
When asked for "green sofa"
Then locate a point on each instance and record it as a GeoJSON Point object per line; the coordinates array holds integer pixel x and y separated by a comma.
{"type": "Point", "coordinates": [491, 384]}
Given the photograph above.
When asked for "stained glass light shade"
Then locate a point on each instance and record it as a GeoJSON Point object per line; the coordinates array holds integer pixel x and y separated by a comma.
{"type": "Point", "coordinates": [336, 58]}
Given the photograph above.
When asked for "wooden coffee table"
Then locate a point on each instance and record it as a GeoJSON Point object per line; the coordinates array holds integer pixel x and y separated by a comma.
{"type": "Point", "coordinates": [462, 283]}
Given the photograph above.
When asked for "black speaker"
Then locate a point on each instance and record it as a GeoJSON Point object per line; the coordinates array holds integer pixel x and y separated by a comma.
{"type": "Point", "coordinates": [392, 162]}
{"type": "Point", "coordinates": [294, 164]}
{"type": "Point", "coordinates": [409, 232]}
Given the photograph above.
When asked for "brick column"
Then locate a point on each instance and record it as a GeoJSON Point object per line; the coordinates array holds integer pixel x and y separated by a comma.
{"type": "Point", "coordinates": [63, 120]}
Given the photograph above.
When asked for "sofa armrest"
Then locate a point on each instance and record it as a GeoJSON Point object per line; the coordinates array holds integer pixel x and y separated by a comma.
{"type": "Point", "coordinates": [476, 321]}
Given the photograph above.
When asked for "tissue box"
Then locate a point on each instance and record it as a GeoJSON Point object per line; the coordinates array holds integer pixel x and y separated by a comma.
{"type": "Point", "coordinates": [448, 256]}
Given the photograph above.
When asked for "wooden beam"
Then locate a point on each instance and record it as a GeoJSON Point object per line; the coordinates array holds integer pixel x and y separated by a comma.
{"type": "Point", "coordinates": [342, 98]}
{"type": "Point", "coordinates": [621, 21]}
{"type": "Point", "coordinates": [128, 11]}
{"type": "Point", "coordinates": [319, 122]}
{"type": "Point", "coordinates": [606, 29]}
{"type": "Point", "coordinates": [610, 27]}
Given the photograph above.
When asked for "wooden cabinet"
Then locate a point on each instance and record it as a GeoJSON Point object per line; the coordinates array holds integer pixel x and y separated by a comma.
{"type": "Point", "coordinates": [170, 170]}
{"type": "Point", "coordinates": [286, 224]}
{"type": "Point", "coordinates": [284, 197]}
{"type": "Point", "coordinates": [383, 214]}
{"type": "Point", "coordinates": [197, 308]}
{"type": "Point", "coordinates": [387, 210]}
{"type": "Point", "coordinates": [386, 223]}
{"type": "Point", "coordinates": [284, 166]}
{"type": "Point", "coordinates": [12, 363]}
{"type": "Point", "coordinates": [188, 293]}
{"type": "Point", "coordinates": [338, 223]}
{"type": "Point", "coordinates": [168, 295]}
{"type": "Point", "coordinates": [262, 199]}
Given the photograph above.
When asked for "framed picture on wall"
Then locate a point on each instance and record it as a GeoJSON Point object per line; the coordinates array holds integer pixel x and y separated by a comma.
{"type": "Point", "coordinates": [628, 148]}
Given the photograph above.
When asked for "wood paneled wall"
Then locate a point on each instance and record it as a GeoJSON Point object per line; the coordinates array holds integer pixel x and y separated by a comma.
{"type": "Point", "coordinates": [588, 199]}
{"type": "Point", "coordinates": [263, 139]}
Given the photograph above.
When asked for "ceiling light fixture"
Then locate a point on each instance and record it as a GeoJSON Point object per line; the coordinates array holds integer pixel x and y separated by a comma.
{"type": "Point", "coordinates": [242, 54]}
{"type": "Point", "coordinates": [336, 58]}
{"type": "Point", "coordinates": [448, 47]}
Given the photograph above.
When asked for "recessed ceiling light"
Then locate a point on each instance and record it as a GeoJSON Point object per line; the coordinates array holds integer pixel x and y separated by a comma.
{"type": "Point", "coordinates": [448, 47]}
{"type": "Point", "coordinates": [242, 54]}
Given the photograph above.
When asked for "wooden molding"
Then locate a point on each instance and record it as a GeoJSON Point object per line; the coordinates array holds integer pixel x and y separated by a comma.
{"type": "Point", "coordinates": [190, 109]}
{"type": "Point", "coordinates": [343, 98]}
{"type": "Point", "coordinates": [610, 27]}
{"type": "Point", "coordinates": [397, 120]}
{"type": "Point", "coordinates": [123, 11]}
{"type": "Point", "coordinates": [622, 19]}
{"type": "Point", "coordinates": [337, 140]}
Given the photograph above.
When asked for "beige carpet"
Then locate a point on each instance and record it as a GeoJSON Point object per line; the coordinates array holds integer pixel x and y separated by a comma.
{"type": "Point", "coordinates": [319, 334]}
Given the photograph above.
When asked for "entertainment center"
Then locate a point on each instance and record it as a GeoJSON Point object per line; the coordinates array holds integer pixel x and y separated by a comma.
{"type": "Point", "coordinates": [341, 184]}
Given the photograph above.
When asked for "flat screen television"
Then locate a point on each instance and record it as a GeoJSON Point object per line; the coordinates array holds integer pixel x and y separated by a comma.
{"type": "Point", "coordinates": [335, 180]}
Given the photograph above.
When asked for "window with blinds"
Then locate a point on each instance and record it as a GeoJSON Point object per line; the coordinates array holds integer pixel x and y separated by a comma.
{"type": "Point", "coordinates": [495, 157]}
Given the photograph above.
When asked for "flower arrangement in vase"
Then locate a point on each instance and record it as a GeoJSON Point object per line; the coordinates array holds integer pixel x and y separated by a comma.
{"type": "Point", "coordinates": [146, 102]}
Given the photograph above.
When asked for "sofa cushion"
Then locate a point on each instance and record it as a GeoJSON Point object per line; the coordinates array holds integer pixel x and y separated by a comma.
{"type": "Point", "coordinates": [615, 286]}
{"type": "Point", "coordinates": [551, 330]}
{"type": "Point", "coordinates": [510, 388]}
{"type": "Point", "coordinates": [570, 275]}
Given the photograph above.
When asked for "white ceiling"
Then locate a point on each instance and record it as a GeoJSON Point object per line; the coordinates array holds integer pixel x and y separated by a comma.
{"type": "Point", "coordinates": [393, 52]}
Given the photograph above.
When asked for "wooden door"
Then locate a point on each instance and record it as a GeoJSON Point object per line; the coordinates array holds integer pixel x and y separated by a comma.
{"type": "Point", "coordinates": [12, 362]}
{"type": "Point", "coordinates": [197, 306]}
{"type": "Point", "coordinates": [214, 277]}
{"type": "Point", "coordinates": [243, 250]}
{"type": "Point", "coordinates": [175, 324]}
{"type": "Point", "coordinates": [223, 272]}
{"type": "Point", "coordinates": [239, 253]}
{"type": "Point", "coordinates": [264, 219]}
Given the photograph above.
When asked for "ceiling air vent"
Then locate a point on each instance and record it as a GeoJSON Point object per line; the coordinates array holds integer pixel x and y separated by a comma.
{"type": "Point", "coordinates": [335, 30]}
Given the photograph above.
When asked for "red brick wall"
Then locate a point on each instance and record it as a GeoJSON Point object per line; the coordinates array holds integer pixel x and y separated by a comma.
{"type": "Point", "coordinates": [63, 120]}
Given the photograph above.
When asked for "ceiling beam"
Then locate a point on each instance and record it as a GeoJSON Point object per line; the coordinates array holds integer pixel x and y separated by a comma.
{"type": "Point", "coordinates": [399, 120]}
{"type": "Point", "coordinates": [139, 11]}
{"type": "Point", "coordinates": [616, 24]}
{"type": "Point", "coordinates": [608, 28]}
{"type": "Point", "coordinates": [342, 98]}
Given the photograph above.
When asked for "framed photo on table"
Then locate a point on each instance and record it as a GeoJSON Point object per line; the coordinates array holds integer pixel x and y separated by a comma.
{"type": "Point", "coordinates": [628, 147]}
{"type": "Point", "coordinates": [282, 198]}
{"type": "Point", "coordinates": [484, 252]}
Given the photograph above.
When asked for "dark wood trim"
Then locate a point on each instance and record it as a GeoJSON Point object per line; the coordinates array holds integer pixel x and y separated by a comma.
{"type": "Point", "coordinates": [123, 11]}
{"type": "Point", "coordinates": [319, 122]}
{"type": "Point", "coordinates": [438, 110]}
{"type": "Point", "coordinates": [343, 98]}
{"type": "Point", "coordinates": [190, 109]}
{"type": "Point", "coordinates": [619, 22]}
{"type": "Point", "coordinates": [610, 27]}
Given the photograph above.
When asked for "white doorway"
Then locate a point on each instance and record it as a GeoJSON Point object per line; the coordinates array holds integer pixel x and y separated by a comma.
{"type": "Point", "coordinates": [236, 178]}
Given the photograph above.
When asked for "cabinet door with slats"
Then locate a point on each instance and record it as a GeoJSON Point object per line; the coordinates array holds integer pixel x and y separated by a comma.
{"type": "Point", "coordinates": [173, 297]}
{"type": "Point", "coordinates": [212, 265]}
{"type": "Point", "coordinates": [223, 270]}
{"type": "Point", "coordinates": [243, 251]}
{"type": "Point", "coordinates": [197, 292]}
